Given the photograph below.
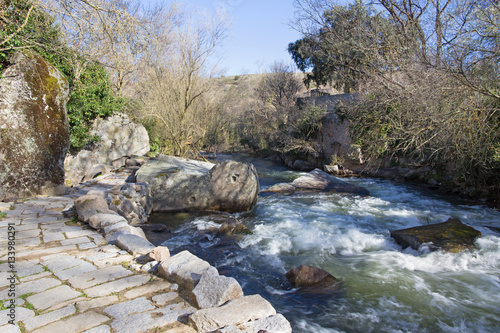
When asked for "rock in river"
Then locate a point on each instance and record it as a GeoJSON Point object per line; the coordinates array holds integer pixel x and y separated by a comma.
{"type": "Point", "coordinates": [317, 180]}
{"type": "Point", "coordinates": [312, 279]}
{"type": "Point", "coordinates": [179, 184]}
{"type": "Point", "coordinates": [451, 236]}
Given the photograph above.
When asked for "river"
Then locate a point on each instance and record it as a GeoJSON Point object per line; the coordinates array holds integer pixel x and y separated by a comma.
{"type": "Point", "coordinates": [383, 287]}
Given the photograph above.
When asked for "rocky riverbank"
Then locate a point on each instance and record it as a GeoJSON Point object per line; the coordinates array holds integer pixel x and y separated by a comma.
{"type": "Point", "coordinates": [70, 278]}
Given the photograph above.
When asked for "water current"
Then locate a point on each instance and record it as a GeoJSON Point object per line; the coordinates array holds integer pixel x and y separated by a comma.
{"type": "Point", "coordinates": [383, 287]}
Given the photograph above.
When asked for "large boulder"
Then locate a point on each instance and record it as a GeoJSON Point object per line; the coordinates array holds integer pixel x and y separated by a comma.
{"type": "Point", "coordinates": [119, 138]}
{"type": "Point", "coordinates": [34, 130]}
{"type": "Point", "coordinates": [312, 279]}
{"type": "Point", "coordinates": [316, 181]}
{"type": "Point", "coordinates": [451, 236]}
{"type": "Point", "coordinates": [179, 184]}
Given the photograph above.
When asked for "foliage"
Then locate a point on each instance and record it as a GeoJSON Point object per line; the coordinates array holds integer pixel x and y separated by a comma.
{"type": "Point", "coordinates": [426, 76]}
{"type": "Point", "coordinates": [91, 97]}
{"type": "Point", "coordinates": [351, 43]}
{"type": "Point", "coordinates": [24, 25]}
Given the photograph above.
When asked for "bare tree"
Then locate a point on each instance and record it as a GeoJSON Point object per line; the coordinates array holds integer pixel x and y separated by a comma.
{"type": "Point", "coordinates": [175, 93]}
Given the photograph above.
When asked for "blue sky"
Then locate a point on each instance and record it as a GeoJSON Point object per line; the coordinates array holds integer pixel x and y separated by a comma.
{"type": "Point", "coordinates": [259, 34]}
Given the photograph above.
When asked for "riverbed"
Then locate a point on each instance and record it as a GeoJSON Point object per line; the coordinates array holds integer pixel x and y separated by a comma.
{"type": "Point", "coordinates": [384, 288]}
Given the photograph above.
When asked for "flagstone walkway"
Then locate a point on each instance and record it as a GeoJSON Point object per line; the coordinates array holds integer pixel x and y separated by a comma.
{"type": "Point", "coordinates": [62, 275]}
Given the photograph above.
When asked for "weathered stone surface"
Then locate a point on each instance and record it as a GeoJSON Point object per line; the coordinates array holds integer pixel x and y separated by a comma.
{"type": "Point", "coordinates": [235, 312]}
{"type": "Point", "coordinates": [312, 279]}
{"type": "Point", "coordinates": [274, 324]}
{"type": "Point", "coordinates": [31, 287]}
{"type": "Point", "coordinates": [119, 137]}
{"type": "Point", "coordinates": [99, 276]}
{"type": "Point", "coordinates": [214, 290]}
{"type": "Point", "coordinates": [142, 322]}
{"type": "Point", "coordinates": [233, 227]}
{"type": "Point", "coordinates": [75, 324]}
{"type": "Point", "coordinates": [34, 130]}
{"type": "Point", "coordinates": [96, 303]}
{"type": "Point", "coordinates": [117, 285]}
{"type": "Point", "coordinates": [163, 299]}
{"type": "Point", "coordinates": [101, 220]}
{"type": "Point", "coordinates": [184, 269]}
{"type": "Point", "coordinates": [147, 289]}
{"type": "Point", "coordinates": [51, 297]}
{"type": "Point", "coordinates": [317, 180]}
{"type": "Point", "coordinates": [159, 254]}
{"type": "Point", "coordinates": [48, 318]}
{"type": "Point", "coordinates": [90, 202]}
{"type": "Point", "coordinates": [452, 236]}
{"type": "Point", "coordinates": [95, 171]}
{"type": "Point", "coordinates": [133, 201]}
{"type": "Point", "coordinates": [134, 244]}
{"type": "Point", "coordinates": [22, 314]}
{"type": "Point", "coordinates": [181, 184]}
{"type": "Point", "coordinates": [127, 308]}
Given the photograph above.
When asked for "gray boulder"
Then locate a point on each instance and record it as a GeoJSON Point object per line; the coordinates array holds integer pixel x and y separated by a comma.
{"type": "Point", "coordinates": [34, 130]}
{"type": "Point", "coordinates": [119, 138]}
{"type": "Point", "coordinates": [317, 181]}
{"type": "Point", "coordinates": [179, 184]}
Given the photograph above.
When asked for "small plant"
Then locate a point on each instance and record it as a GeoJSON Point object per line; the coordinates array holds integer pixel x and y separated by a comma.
{"type": "Point", "coordinates": [2, 215]}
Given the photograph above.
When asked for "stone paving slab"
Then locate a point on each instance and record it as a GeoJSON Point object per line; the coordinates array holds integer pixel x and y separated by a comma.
{"type": "Point", "coordinates": [99, 329]}
{"type": "Point", "coordinates": [48, 318]}
{"type": "Point", "coordinates": [158, 318]}
{"type": "Point", "coordinates": [51, 297]}
{"type": "Point", "coordinates": [76, 323]}
{"type": "Point", "coordinates": [36, 286]}
{"type": "Point", "coordinates": [128, 308]}
{"type": "Point", "coordinates": [148, 289]}
{"type": "Point", "coordinates": [97, 303]}
{"type": "Point", "coordinates": [99, 276]}
{"type": "Point", "coordinates": [117, 285]}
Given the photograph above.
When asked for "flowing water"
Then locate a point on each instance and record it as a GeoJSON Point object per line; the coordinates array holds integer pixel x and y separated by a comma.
{"type": "Point", "coordinates": [384, 288]}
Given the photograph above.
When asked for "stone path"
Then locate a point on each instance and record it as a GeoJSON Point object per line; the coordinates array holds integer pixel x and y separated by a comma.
{"type": "Point", "coordinates": [68, 279]}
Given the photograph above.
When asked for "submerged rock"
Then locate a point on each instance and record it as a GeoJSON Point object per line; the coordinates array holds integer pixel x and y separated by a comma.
{"type": "Point", "coordinates": [312, 279]}
{"type": "Point", "coordinates": [34, 130]}
{"type": "Point", "coordinates": [451, 236]}
{"type": "Point", "coordinates": [233, 227]}
{"type": "Point", "coordinates": [179, 184]}
{"type": "Point", "coordinates": [317, 180]}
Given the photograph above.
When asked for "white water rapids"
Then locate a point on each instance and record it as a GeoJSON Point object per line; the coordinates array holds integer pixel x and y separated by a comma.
{"type": "Point", "coordinates": [384, 288]}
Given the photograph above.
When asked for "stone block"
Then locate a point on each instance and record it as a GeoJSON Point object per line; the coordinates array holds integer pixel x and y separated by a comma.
{"type": "Point", "coordinates": [99, 221]}
{"type": "Point", "coordinates": [214, 290]}
{"type": "Point", "coordinates": [184, 269]}
{"type": "Point", "coordinates": [235, 312]}
{"type": "Point", "coordinates": [134, 244]}
{"type": "Point", "coordinates": [159, 254]}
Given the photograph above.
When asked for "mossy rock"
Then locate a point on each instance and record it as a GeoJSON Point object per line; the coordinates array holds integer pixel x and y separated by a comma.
{"type": "Point", "coordinates": [450, 236]}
